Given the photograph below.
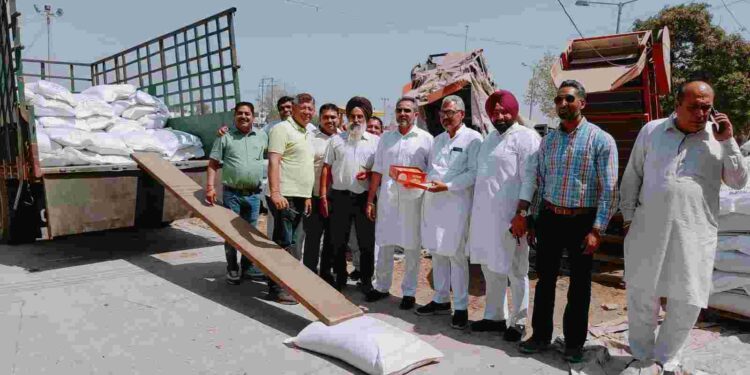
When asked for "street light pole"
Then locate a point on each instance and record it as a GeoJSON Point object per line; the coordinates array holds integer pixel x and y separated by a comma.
{"type": "Point", "coordinates": [620, 5]}
{"type": "Point", "coordinates": [533, 89]}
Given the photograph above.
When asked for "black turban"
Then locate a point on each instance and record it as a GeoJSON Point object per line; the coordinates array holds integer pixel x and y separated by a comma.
{"type": "Point", "coordinates": [361, 102]}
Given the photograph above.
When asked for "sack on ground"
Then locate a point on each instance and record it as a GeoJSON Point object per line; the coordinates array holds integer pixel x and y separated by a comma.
{"type": "Point", "coordinates": [368, 344]}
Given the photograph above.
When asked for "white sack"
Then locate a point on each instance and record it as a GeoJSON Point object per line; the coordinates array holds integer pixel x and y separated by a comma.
{"type": "Point", "coordinates": [724, 281]}
{"type": "Point", "coordinates": [732, 261]}
{"type": "Point", "coordinates": [168, 140]}
{"type": "Point", "coordinates": [108, 144]}
{"type": "Point", "coordinates": [186, 140]}
{"type": "Point", "coordinates": [734, 243]}
{"type": "Point", "coordinates": [70, 137]}
{"type": "Point", "coordinates": [99, 122]}
{"type": "Point", "coordinates": [51, 90]}
{"type": "Point", "coordinates": [50, 107]}
{"type": "Point", "coordinates": [119, 106]}
{"type": "Point", "coordinates": [44, 144]}
{"type": "Point", "coordinates": [368, 344]}
{"type": "Point", "coordinates": [137, 111]}
{"type": "Point", "coordinates": [115, 159]}
{"type": "Point", "coordinates": [91, 106]}
{"type": "Point", "coordinates": [145, 99]}
{"type": "Point", "coordinates": [28, 95]}
{"type": "Point", "coordinates": [144, 140]}
{"type": "Point", "coordinates": [110, 93]}
{"type": "Point", "coordinates": [732, 302]}
{"type": "Point", "coordinates": [74, 156]}
{"type": "Point", "coordinates": [188, 153]}
{"type": "Point", "coordinates": [123, 125]}
{"type": "Point", "coordinates": [56, 159]}
{"type": "Point", "coordinates": [153, 121]}
{"type": "Point", "coordinates": [61, 122]}
{"type": "Point", "coordinates": [736, 223]}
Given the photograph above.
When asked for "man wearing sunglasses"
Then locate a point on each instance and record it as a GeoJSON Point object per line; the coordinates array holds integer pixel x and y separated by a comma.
{"type": "Point", "coordinates": [399, 209]}
{"type": "Point", "coordinates": [445, 212]}
{"type": "Point", "coordinates": [670, 204]}
{"type": "Point", "coordinates": [576, 185]}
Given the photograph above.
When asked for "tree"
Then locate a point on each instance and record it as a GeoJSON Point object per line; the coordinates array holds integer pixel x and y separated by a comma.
{"type": "Point", "coordinates": [702, 50]}
{"type": "Point", "coordinates": [541, 89]}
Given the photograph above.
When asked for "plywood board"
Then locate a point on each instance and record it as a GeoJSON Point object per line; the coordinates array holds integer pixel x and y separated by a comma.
{"type": "Point", "coordinates": [325, 302]}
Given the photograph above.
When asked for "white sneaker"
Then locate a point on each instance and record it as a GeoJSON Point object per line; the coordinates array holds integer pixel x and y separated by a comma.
{"type": "Point", "coordinates": [638, 367]}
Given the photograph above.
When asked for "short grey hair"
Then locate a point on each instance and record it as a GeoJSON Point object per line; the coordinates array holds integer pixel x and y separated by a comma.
{"type": "Point", "coordinates": [410, 100]}
{"type": "Point", "coordinates": [456, 100]}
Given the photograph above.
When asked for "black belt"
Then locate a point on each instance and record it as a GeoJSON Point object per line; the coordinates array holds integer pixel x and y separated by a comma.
{"type": "Point", "coordinates": [242, 191]}
{"type": "Point", "coordinates": [347, 193]}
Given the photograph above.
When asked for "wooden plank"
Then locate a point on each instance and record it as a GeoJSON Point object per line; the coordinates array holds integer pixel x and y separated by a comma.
{"type": "Point", "coordinates": [325, 302]}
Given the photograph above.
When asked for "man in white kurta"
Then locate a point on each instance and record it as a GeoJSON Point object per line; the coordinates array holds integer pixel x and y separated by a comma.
{"type": "Point", "coordinates": [670, 205]}
{"type": "Point", "coordinates": [506, 157]}
{"type": "Point", "coordinates": [445, 212]}
{"type": "Point", "coordinates": [398, 214]}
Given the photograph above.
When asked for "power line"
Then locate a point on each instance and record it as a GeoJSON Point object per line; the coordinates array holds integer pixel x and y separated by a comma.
{"type": "Point", "coordinates": [742, 27]}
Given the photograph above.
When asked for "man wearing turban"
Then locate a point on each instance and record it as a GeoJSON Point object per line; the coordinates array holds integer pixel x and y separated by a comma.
{"type": "Point", "coordinates": [505, 158]}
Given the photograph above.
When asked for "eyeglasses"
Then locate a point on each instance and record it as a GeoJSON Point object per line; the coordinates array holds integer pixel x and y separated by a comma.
{"type": "Point", "coordinates": [568, 98]}
{"type": "Point", "coordinates": [404, 110]}
{"type": "Point", "coordinates": [448, 113]}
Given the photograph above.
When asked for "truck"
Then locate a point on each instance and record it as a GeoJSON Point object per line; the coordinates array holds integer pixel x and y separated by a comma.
{"type": "Point", "coordinates": [193, 70]}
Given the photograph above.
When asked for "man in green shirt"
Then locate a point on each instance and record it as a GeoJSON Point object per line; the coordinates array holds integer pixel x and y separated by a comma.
{"type": "Point", "coordinates": [291, 177]}
{"type": "Point", "coordinates": [239, 153]}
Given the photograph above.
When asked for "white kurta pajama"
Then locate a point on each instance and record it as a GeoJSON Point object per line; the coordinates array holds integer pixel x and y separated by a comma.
{"type": "Point", "coordinates": [399, 210]}
{"type": "Point", "coordinates": [503, 162]}
{"type": "Point", "coordinates": [445, 215]}
{"type": "Point", "coordinates": [670, 192]}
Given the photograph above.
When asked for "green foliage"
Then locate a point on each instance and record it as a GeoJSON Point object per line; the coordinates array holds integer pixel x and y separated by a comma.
{"type": "Point", "coordinates": [702, 50]}
{"type": "Point", "coordinates": [541, 89]}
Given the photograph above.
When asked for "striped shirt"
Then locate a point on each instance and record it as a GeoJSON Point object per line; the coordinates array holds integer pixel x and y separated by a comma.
{"type": "Point", "coordinates": [578, 169]}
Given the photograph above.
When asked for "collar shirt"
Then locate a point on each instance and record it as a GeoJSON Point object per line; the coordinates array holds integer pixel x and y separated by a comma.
{"type": "Point", "coordinates": [445, 215]}
{"type": "Point", "coordinates": [291, 141]}
{"type": "Point", "coordinates": [400, 209]}
{"type": "Point", "coordinates": [670, 192]}
{"type": "Point", "coordinates": [319, 143]}
{"type": "Point", "coordinates": [577, 169]}
{"type": "Point", "coordinates": [347, 158]}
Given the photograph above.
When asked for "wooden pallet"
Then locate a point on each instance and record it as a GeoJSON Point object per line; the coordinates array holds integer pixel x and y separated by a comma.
{"type": "Point", "coordinates": [325, 302]}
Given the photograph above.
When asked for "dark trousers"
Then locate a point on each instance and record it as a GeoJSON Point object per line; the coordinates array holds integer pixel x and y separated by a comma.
{"type": "Point", "coordinates": [285, 225]}
{"type": "Point", "coordinates": [317, 226]}
{"type": "Point", "coordinates": [348, 207]}
{"type": "Point", "coordinates": [555, 233]}
{"type": "Point", "coordinates": [248, 207]}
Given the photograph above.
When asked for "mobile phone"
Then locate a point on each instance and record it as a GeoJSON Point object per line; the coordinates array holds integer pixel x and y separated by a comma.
{"type": "Point", "coordinates": [718, 128]}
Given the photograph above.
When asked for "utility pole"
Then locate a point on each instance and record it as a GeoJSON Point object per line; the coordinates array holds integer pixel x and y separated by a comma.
{"type": "Point", "coordinates": [532, 89]}
{"type": "Point", "coordinates": [385, 109]}
{"type": "Point", "coordinates": [48, 14]}
{"type": "Point", "coordinates": [466, 39]}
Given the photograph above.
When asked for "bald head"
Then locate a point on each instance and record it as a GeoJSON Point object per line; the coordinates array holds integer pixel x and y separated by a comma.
{"type": "Point", "coordinates": [694, 102]}
{"type": "Point", "coordinates": [695, 89]}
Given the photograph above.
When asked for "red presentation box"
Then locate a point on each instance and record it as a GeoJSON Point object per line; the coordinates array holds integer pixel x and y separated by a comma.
{"type": "Point", "coordinates": [410, 177]}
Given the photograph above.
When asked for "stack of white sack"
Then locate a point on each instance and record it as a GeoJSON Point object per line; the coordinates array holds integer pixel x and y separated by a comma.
{"type": "Point", "coordinates": [731, 277]}
{"type": "Point", "coordinates": [103, 125]}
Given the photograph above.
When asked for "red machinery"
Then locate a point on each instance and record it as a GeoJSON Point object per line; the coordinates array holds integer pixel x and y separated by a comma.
{"type": "Point", "coordinates": [624, 75]}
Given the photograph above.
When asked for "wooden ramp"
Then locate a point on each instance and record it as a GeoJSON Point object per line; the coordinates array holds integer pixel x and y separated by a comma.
{"type": "Point", "coordinates": [325, 302]}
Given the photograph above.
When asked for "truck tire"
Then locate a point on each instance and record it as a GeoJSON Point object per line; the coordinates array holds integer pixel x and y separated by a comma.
{"type": "Point", "coordinates": [23, 224]}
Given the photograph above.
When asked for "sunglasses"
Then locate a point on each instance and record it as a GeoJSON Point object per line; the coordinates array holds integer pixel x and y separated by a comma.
{"type": "Point", "coordinates": [405, 110]}
{"type": "Point", "coordinates": [567, 98]}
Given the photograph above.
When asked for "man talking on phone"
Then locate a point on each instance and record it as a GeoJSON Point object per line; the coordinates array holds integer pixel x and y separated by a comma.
{"type": "Point", "coordinates": [670, 204]}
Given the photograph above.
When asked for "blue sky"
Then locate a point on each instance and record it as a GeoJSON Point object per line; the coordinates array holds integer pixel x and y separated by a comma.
{"type": "Point", "coordinates": [335, 49]}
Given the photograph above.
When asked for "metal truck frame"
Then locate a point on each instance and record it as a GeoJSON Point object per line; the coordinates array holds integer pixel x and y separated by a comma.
{"type": "Point", "coordinates": [193, 69]}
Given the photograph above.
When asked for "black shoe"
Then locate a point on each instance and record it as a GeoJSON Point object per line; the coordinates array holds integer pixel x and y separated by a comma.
{"type": "Point", "coordinates": [574, 355]}
{"type": "Point", "coordinates": [327, 277]}
{"type": "Point", "coordinates": [340, 284]}
{"type": "Point", "coordinates": [533, 346]}
{"type": "Point", "coordinates": [365, 288]}
{"type": "Point", "coordinates": [515, 333]}
{"type": "Point", "coordinates": [375, 295]}
{"type": "Point", "coordinates": [434, 308]}
{"type": "Point", "coordinates": [407, 303]}
{"type": "Point", "coordinates": [460, 319]}
{"type": "Point", "coordinates": [233, 277]}
{"type": "Point", "coordinates": [279, 295]}
{"type": "Point", "coordinates": [486, 325]}
{"type": "Point", "coordinates": [355, 275]}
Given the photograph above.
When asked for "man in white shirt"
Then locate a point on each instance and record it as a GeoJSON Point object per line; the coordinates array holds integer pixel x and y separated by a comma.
{"type": "Point", "coordinates": [670, 207]}
{"type": "Point", "coordinates": [445, 212]}
{"type": "Point", "coordinates": [506, 157]}
{"type": "Point", "coordinates": [399, 209]}
{"type": "Point", "coordinates": [349, 155]}
{"type": "Point", "coordinates": [317, 226]}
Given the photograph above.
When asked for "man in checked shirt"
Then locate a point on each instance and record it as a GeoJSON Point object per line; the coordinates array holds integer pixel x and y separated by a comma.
{"type": "Point", "coordinates": [576, 181]}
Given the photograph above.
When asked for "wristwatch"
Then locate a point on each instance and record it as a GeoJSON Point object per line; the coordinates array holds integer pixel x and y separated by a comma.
{"type": "Point", "coordinates": [522, 213]}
